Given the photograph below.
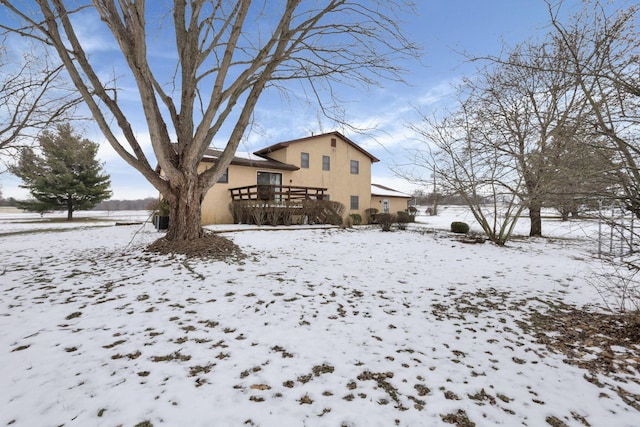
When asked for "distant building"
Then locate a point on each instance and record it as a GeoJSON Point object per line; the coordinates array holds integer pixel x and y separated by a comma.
{"type": "Point", "coordinates": [388, 200]}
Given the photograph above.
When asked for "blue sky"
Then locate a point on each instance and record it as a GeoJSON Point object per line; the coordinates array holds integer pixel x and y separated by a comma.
{"type": "Point", "coordinates": [444, 28]}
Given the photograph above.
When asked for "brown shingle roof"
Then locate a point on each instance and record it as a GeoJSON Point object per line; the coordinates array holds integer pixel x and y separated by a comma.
{"type": "Point", "coordinates": [211, 155]}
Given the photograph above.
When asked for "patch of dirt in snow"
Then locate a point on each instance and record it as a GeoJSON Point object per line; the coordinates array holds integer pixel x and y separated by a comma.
{"type": "Point", "coordinates": [210, 246]}
{"type": "Point", "coordinates": [607, 345]}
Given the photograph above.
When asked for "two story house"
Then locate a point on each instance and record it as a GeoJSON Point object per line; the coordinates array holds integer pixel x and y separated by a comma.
{"type": "Point", "coordinates": [328, 166]}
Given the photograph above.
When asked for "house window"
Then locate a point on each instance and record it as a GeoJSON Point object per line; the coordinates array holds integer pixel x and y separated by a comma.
{"type": "Point", "coordinates": [355, 167]}
{"type": "Point", "coordinates": [304, 160]}
{"type": "Point", "coordinates": [224, 178]}
{"type": "Point", "coordinates": [355, 203]}
{"type": "Point", "coordinates": [333, 142]}
{"type": "Point", "coordinates": [326, 163]}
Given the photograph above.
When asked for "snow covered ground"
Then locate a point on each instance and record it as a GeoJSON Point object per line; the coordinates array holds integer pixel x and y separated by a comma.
{"type": "Point", "coordinates": [316, 327]}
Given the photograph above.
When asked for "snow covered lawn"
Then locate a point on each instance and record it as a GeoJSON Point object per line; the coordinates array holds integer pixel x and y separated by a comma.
{"type": "Point", "coordinates": [316, 327]}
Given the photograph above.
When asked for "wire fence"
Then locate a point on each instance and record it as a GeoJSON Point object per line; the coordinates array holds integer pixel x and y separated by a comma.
{"type": "Point", "coordinates": [616, 231]}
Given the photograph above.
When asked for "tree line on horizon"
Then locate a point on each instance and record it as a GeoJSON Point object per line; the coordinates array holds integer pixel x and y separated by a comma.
{"type": "Point", "coordinates": [147, 203]}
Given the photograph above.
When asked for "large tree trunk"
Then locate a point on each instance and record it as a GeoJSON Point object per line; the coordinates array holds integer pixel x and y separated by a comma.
{"type": "Point", "coordinates": [185, 212]}
{"type": "Point", "coordinates": [535, 217]}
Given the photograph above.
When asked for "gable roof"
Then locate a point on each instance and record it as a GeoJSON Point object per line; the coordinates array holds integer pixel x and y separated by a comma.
{"type": "Point", "coordinates": [381, 190]}
{"type": "Point", "coordinates": [211, 155]}
{"type": "Point", "coordinates": [280, 145]}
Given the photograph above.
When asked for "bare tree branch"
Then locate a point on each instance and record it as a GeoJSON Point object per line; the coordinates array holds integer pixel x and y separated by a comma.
{"type": "Point", "coordinates": [33, 96]}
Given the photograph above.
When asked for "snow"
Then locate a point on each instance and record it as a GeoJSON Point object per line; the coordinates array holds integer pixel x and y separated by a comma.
{"type": "Point", "coordinates": [379, 190]}
{"type": "Point", "coordinates": [317, 327]}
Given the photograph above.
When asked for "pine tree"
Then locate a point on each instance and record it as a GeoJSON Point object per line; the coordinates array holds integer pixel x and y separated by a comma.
{"type": "Point", "coordinates": [66, 176]}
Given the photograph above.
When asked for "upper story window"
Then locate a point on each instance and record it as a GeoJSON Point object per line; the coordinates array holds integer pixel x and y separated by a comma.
{"type": "Point", "coordinates": [224, 178]}
{"type": "Point", "coordinates": [326, 163]}
{"type": "Point", "coordinates": [304, 160]}
{"type": "Point", "coordinates": [355, 167]}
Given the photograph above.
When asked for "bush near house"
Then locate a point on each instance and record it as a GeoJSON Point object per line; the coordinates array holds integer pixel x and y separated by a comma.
{"type": "Point", "coordinates": [330, 212]}
{"type": "Point", "coordinates": [459, 227]}
{"type": "Point", "coordinates": [287, 213]}
{"type": "Point", "coordinates": [356, 219]}
{"type": "Point", "coordinates": [385, 221]}
{"type": "Point", "coordinates": [371, 214]}
{"type": "Point", "coordinates": [403, 219]}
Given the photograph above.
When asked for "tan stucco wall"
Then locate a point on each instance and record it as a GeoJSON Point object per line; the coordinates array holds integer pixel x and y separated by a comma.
{"type": "Point", "coordinates": [215, 206]}
{"type": "Point", "coordinates": [395, 203]}
{"type": "Point", "coordinates": [339, 181]}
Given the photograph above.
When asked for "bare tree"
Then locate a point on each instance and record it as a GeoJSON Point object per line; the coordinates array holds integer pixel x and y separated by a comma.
{"type": "Point", "coordinates": [602, 49]}
{"type": "Point", "coordinates": [227, 54]}
{"type": "Point", "coordinates": [534, 103]}
{"type": "Point", "coordinates": [581, 88]}
{"type": "Point", "coordinates": [582, 171]}
{"type": "Point", "coordinates": [461, 151]}
{"type": "Point", "coordinates": [33, 95]}
{"type": "Point", "coordinates": [513, 113]}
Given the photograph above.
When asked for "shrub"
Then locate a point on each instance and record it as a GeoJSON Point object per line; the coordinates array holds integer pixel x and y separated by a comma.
{"type": "Point", "coordinates": [311, 211]}
{"type": "Point", "coordinates": [371, 214]}
{"type": "Point", "coordinates": [412, 210]}
{"type": "Point", "coordinates": [403, 217]}
{"type": "Point", "coordinates": [323, 212]}
{"type": "Point", "coordinates": [235, 212]}
{"type": "Point", "coordinates": [272, 214]}
{"type": "Point", "coordinates": [258, 215]}
{"type": "Point", "coordinates": [385, 220]}
{"type": "Point", "coordinates": [332, 212]}
{"type": "Point", "coordinates": [356, 219]}
{"type": "Point", "coordinates": [459, 227]}
{"type": "Point", "coordinates": [287, 215]}
{"type": "Point", "coordinates": [334, 219]}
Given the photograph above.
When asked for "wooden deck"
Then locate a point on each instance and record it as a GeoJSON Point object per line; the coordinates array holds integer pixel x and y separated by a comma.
{"type": "Point", "coordinates": [283, 204]}
{"type": "Point", "coordinates": [276, 193]}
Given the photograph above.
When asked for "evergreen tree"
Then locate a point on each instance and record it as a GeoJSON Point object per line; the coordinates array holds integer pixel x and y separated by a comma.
{"type": "Point", "coordinates": [66, 176]}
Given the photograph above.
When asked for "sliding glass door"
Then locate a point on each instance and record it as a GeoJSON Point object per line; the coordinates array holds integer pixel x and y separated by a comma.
{"type": "Point", "coordinates": [269, 185]}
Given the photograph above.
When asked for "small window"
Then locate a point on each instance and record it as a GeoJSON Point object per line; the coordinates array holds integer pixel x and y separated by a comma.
{"type": "Point", "coordinates": [304, 160]}
{"type": "Point", "coordinates": [355, 167]}
{"type": "Point", "coordinates": [326, 163]}
{"type": "Point", "coordinates": [333, 142]}
{"type": "Point", "coordinates": [224, 178]}
{"type": "Point", "coordinates": [355, 203]}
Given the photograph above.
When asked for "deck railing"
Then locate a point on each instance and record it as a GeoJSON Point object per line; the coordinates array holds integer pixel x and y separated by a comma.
{"type": "Point", "coordinates": [279, 193]}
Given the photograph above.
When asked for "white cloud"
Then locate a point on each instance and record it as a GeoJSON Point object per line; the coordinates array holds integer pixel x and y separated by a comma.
{"type": "Point", "coordinates": [441, 92]}
{"type": "Point", "coordinates": [92, 33]}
